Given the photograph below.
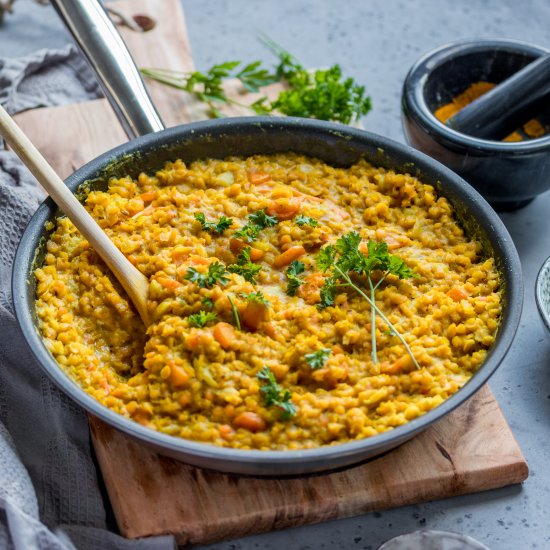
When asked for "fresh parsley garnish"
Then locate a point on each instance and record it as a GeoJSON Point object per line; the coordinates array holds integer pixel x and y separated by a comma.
{"type": "Point", "coordinates": [201, 318]}
{"type": "Point", "coordinates": [256, 297]}
{"type": "Point", "coordinates": [216, 275]}
{"type": "Point", "coordinates": [275, 395]}
{"type": "Point", "coordinates": [343, 259]}
{"type": "Point", "coordinates": [245, 267]}
{"type": "Point", "coordinates": [317, 359]}
{"type": "Point", "coordinates": [256, 222]}
{"type": "Point", "coordinates": [214, 227]}
{"type": "Point", "coordinates": [323, 94]}
{"type": "Point", "coordinates": [300, 219]}
{"type": "Point", "coordinates": [208, 302]}
{"type": "Point", "coordinates": [292, 273]}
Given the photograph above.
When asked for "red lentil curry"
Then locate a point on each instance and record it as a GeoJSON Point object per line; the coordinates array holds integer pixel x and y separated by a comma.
{"type": "Point", "coordinates": [261, 280]}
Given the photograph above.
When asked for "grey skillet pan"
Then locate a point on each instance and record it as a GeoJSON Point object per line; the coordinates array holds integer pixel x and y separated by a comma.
{"type": "Point", "coordinates": [333, 143]}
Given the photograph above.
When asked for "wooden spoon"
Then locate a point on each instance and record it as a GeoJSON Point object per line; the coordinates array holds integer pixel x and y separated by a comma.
{"type": "Point", "coordinates": [132, 280]}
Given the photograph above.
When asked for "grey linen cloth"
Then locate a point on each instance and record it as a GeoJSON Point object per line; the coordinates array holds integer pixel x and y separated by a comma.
{"type": "Point", "coordinates": [50, 495]}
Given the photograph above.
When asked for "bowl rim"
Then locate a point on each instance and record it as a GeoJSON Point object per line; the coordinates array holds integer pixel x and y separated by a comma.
{"type": "Point", "coordinates": [267, 462]}
{"type": "Point", "coordinates": [542, 275]}
{"type": "Point", "coordinates": [418, 76]}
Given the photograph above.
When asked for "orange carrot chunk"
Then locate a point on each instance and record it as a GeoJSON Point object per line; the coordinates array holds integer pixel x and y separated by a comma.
{"type": "Point", "coordinates": [284, 208]}
{"type": "Point", "coordinates": [288, 256]}
{"type": "Point", "coordinates": [457, 293]}
{"type": "Point", "coordinates": [170, 284]}
{"type": "Point", "coordinates": [224, 333]}
{"type": "Point", "coordinates": [250, 421]}
{"type": "Point", "coordinates": [255, 178]}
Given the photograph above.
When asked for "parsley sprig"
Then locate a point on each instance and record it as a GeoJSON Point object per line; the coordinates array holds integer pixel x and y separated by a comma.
{"type": "Point", "coordinates": [256, 222]}
{"type": "Point", "coordinates": [323, 94]}
{"type": "Point", "coordinates": [344, 259]}
{"type": "Point", "coordinates": [317, 359]}
{"type": "Point", "coordinates": [217, 274]}
{"type": "Point", "coordinates": [208, 86]}
{"type": "Point", "coordinates": [300, 219]}
{"type": "Point", "coordinates": [256, 297]}
{"type": "Point", "coordinates": [201, 318]}
{"type": "Point", "coordinates": [292, 273]}
{"type": "Point", "coordinates": [275, 395]}
{"type": "Point", "coordinates": [214, 227]}
{"type": "Point", "coordinates": [245, 267]}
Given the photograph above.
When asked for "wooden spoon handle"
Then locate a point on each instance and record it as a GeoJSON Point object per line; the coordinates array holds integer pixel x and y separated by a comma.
{"type": "Point", "coordinates": [132, 280]}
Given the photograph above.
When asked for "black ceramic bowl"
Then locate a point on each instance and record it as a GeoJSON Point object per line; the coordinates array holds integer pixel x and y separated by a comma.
{"type": "Point", "coordinates": [508, 174]}
{"type": "Point", "coordinates": [335, 144]}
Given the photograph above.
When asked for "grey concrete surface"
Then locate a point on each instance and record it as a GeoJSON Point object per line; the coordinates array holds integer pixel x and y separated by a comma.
{"type": "Point", "coordinates": [376, 42]}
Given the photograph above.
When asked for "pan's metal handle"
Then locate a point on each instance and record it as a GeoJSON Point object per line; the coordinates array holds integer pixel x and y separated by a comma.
{"type": "Point", "coordinates": [99, 40]}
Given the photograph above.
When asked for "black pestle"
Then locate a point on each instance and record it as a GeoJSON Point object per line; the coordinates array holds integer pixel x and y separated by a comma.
{"type": "Point", "coordinates": [508, 105]}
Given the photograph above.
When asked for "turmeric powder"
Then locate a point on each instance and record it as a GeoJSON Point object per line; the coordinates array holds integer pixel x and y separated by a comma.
{"type": "Point", "coordinates": [531, 129]}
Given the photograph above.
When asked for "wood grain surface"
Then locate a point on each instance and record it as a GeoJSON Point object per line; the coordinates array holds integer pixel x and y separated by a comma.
{"type": "Point", "coordinates": [470, 450]}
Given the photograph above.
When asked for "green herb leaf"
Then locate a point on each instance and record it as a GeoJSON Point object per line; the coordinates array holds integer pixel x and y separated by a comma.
{"type": "Point", "coordinates": [214, 227]}
{"type": "Point", "coordinates": [327, 293]}
{"type": "Point", "coordinates": [216, 275]}
{"type": "Point", "coordinates": [245, 267]}
{"type": "Point", "coordinates": [201, 318]}
{"type": "Point", "coordinates": [253, 77]}
{"type": "Point", "coordinates": [262, 219]}
{"type": "Point", "coordinates": [345, 258]}
{"type": "Point", "coordinates": [257, 221]}
{"type": "Point", "coordinates": [256, 297]}
{"type": "Point", "coordinates": [275, 395]}
{"type": "Point", "coordinates": [208, 302]}
{"type": "Point", "coordinates": [317, 359]}
{"type": "Point", "coordinates": [300, 219]}
{"type": "Point", "coordinates": [292, 273]}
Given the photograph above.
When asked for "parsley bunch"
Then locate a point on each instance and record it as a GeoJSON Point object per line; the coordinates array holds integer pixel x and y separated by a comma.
{"type": "Point", "coordinates": [344, 259]}
{"type": "Point", "coordinates": [323, 94]}
{"type": "Point", "coordinates": [245, 267]}
{"type": "Point", "coordinates": [317, 359]}
{"type": "Point", "coordinates": [201, 318]}
{"type": "Point", "coordinates": [256, 222]}
{"type": "Point", "coordinates": [275, 395]}
{"type": "Point", "coordinates": [214, 227]}
{"type": "Point", "coordinates": [217, 274]}
{"type": "Point", "coordinates": [293, 271]}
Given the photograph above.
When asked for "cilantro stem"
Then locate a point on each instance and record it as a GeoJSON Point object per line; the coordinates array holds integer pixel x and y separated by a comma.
{"type": "Point", "coordinates": [235, 312]}
{"type": "Point", "coordinates": [373, 306]}
{"type": "Point", "coordinates": [373, 323]}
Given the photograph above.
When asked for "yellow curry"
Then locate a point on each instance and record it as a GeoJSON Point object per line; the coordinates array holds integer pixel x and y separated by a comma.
{"type": "Point", "coordinates": [274, 325]}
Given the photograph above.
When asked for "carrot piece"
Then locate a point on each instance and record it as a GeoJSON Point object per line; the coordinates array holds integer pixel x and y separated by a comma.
{"type": "Point", "coordinates": [255, 178]}
{"type": "Point", "coordinates": [256, 254]}
{"type": "Point", "coordinates": [148, 196]}
{"type": "Point", "coordinates": [199, 260]}
{"type": "Point", "coordinates": [170, 284]}
{"type": "Point", "coordinates": [250, 421]}
{"type": "Point", "coordinates": [289, 256]}
{"type": "Point", "coordinates": [457, 293]}
{"type": "Point", "coordinates": [226, 432]}
{"type": "Point", "coordinates": [284, 208]}
{"type": "Point", "coordinates": [254, 314]}
{"type": "Point", "coordinates": [178, 375]}
{"type": "Point", "coordinates": [224, 333]}
{"type": "Point", "coordinates": [403, 364]}
{"type": "Point", "coordinates": [236, 245]}
{"type": "Point", "coordinates": [192, 341]}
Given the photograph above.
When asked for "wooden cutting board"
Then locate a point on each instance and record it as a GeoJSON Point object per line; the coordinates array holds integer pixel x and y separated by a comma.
{"type": "Point", "coordinates": [470, 450]}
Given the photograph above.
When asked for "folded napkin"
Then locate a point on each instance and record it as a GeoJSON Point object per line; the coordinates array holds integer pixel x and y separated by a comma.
{"type": "Point", "coordinates": [50, 495]}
